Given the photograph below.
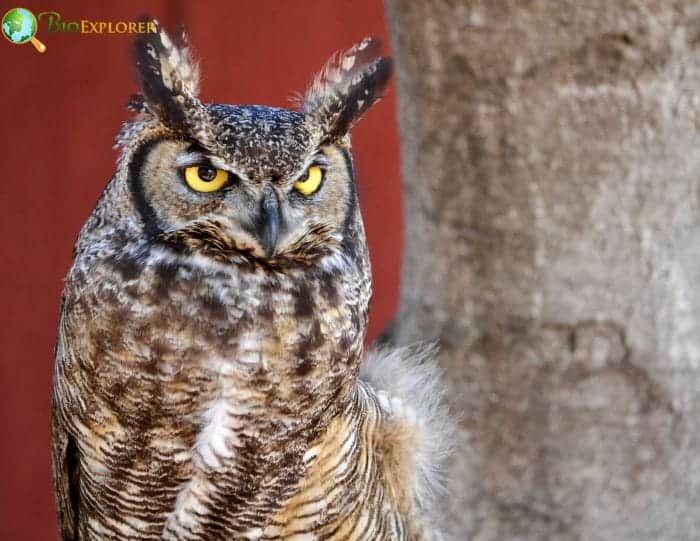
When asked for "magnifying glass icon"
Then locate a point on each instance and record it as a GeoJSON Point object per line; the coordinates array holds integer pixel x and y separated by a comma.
{"type": "Point", "coordinates": [19, 26]}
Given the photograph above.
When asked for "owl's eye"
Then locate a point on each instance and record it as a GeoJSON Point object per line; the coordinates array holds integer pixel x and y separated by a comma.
{"type": "Point", "coordinates": [311, 183]}
{"type": "Point", "coordinates": [205, 179]}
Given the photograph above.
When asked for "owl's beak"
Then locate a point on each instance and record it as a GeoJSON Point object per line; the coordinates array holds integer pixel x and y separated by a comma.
{"type": "Point", "coordinates": [268, 226]}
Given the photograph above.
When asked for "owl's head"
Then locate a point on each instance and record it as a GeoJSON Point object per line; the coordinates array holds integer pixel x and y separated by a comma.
{"type": "Point", "coordinates": [257, 182]}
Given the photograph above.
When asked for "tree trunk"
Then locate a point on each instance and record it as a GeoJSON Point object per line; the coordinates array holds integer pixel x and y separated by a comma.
{"type": "Point", "coordinates": [552, 208]}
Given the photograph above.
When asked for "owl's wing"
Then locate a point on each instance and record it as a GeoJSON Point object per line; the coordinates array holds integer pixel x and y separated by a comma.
{"type": "Point", "coordinates": [65, 481]}
{"type": "Point", "coordinates": [65, 459]}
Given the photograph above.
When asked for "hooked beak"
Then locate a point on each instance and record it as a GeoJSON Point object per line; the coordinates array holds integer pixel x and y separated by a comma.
{"type": "Point", "coordinates": [268, 226]}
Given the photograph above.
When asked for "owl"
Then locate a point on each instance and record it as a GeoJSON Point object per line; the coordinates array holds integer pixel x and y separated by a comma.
{"type": "Point", "coordinates": [208, 381]}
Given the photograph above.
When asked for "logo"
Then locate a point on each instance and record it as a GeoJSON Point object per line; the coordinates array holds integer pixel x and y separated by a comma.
{"type": "Point", "coordinates": [19, 27]}
{"type": "Point", "coordinates": [55, 23]}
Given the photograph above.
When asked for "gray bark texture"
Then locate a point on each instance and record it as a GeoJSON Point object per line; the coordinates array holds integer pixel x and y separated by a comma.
{"type": "Point", "coordinates": [551, 163]}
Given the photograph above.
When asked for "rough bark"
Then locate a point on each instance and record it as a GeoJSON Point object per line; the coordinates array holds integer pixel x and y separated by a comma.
{"type": "Point", "coordinates": [551, 164]}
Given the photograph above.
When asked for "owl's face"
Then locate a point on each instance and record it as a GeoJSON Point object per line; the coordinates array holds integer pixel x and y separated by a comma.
{"type": "Point", "coordinates": [272, 194]}
{"type": "Point", "coordinates": [273, 184]}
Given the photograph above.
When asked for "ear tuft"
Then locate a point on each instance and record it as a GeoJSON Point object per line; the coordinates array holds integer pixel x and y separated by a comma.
{"type": "Point", "coordinates": [349, 84]}
{"type": "Point", "coordinates": [170, 84]}
{"type": "Point", "coordinates": [168, 76]}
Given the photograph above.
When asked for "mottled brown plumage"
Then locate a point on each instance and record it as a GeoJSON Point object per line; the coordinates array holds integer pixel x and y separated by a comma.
{"type": "Point", "coordinates": [206, 381]}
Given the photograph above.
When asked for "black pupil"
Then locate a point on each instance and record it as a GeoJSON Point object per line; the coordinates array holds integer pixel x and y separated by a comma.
{"type": "Point", "coordinates": [207, 174]}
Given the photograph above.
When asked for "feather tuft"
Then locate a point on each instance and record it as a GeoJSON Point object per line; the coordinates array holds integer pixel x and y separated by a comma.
{"type": "Point", "coordinates": [419, 431]}
{"type": "Point", "coordinates": [169, 80]}
{"type": "Point", "coordinates": [347, 86]}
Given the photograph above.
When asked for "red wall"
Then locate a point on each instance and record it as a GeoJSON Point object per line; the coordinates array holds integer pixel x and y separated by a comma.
{"type": "Point", "coordinates": [60, 113]}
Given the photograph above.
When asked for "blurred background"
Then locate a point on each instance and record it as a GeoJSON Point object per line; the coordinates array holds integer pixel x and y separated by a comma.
{"type": "Point", "coordinates": [61, 111]}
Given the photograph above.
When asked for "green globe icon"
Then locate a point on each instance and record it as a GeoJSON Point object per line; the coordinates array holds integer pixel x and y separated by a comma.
{"type": "Point", "coordinates": [19, 26]}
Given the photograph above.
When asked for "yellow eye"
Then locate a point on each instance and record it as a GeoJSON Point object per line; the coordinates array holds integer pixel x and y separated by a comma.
{"type": "Point", "coordinates": [310, 184]}
{"type": "Point", "coordinates": [205, 179]}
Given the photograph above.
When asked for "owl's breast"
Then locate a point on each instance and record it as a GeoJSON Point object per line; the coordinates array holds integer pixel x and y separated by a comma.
{"type": "Point", "coordinates": [199, 372]}
{"type": "Point", "coordinates": [173, 331]}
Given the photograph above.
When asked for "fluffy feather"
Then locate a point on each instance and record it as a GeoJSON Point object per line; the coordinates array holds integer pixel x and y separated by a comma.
{"type": "Point", "coordinates": [418, 435]}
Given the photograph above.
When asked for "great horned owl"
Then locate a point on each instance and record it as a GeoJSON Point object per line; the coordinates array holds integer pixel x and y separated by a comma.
{"type": "Point", "coordinates": [212, 325]}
